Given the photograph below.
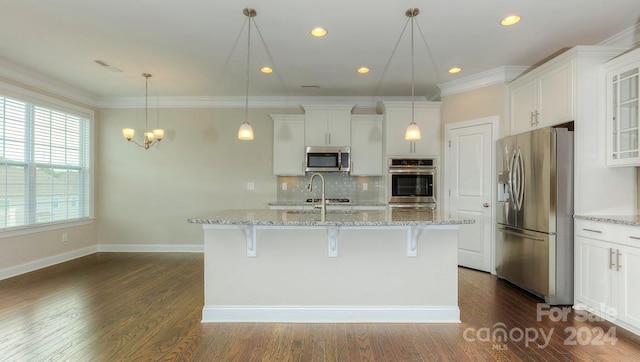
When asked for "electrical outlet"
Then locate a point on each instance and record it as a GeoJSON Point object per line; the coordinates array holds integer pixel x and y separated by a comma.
{"type": "Point", "coordinates": [65, 237]}
{"type": "Point", "coordinates": [284, 186]}
{"type": "Point", "coordinates": [251, 185]}
{"type": "Point", "coordinates": [365, 186]}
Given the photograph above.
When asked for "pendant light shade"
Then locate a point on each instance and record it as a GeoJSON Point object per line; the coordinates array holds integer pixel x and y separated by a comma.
{"type": "Point", "coordinates": [245, 133]}
{"type": "Point", "coordinates": [413, 131]}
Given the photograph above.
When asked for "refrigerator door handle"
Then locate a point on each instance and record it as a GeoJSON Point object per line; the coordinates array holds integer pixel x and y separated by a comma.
{"type": "Point", "coordinates": [517, 178]}
{"type": "Point", "coordinates": [521, 179]}
{"type": "Point", "coordinates": [521, 235]}
{"type": "Point", "coordinates": [512, 180]}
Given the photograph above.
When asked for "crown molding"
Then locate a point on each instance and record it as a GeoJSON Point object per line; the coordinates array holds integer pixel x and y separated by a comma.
{"type": "Point", "coordinates": [239, 102]}
{"type": "Point", "coordinates": [499, 75]}
{"type": "Point", "coordinates": [31, 78]}
{"type": "Point", "coordinates": [629, 37]}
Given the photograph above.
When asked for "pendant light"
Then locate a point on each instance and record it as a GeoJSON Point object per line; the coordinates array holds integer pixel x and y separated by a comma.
{"type": "Point", "coordinates": [413, 131]}
{"type": "Point", "coordinates": [245, 132]}
{"type": "Point", "coordinates": [150, 138]}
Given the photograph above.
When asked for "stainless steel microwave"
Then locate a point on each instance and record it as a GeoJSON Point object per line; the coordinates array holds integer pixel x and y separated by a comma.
{"type": "Point", "coordinates": [328, 159]}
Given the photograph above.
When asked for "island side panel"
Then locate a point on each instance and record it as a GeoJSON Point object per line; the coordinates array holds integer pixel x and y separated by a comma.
{"type": "Point", "coordinates": [292, 269]}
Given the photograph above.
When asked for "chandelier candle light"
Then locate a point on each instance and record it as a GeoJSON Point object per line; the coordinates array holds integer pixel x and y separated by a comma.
{"type": "Point", "coordinates": [413, 131]}
{"type": "Point", "coordinates": [150, 138]}
{"type": "Point", "coordinates": [245, 132]}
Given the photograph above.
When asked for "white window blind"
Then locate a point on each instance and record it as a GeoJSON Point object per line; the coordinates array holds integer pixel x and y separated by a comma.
{"type": "Point", "coordinates": [44, 165]}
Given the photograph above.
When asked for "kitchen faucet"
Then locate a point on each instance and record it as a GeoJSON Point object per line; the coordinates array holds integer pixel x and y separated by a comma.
{"type": "Point", "coordinates": [323, 205]}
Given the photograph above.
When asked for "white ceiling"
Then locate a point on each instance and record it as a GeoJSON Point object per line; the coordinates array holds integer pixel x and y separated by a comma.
{"type": "Point", "coordinates": [198, 48]}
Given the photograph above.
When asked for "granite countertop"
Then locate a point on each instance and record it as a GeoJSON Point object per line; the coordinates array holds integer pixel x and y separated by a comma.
{"type": "Point", "coordinates": [630, 220]}
{"type": "Point", "coordinates": [387, 217]}
{"type": "Point", "coordinates": [350, 204]}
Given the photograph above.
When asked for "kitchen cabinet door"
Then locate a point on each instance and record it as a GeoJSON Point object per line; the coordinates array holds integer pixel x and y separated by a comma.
{"type": "Point", "coordinates": [523, 102]}
{"type": "Point", "coordinates": [328, 126]}
{"type": "Point", "coordinates": [288, 145]}
{"type": "Point", "coordinates": [366, 145]}
{"type": "Point", "coordinates": [593, 279]}
{"type": "Point", "coordinates": [555, 95]}
{"type": "Point", "coordinates": [543, 98]}
{"type": "Point", "coordinates": [398, 116]}
{"type": "Point", "coordinates": [623, 111]}
{"type": "Point", "coordinates": [628, 259]}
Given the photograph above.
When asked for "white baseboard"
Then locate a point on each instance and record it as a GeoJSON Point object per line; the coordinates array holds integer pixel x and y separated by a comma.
{"type": "Point", "coordinates": [331, 314]}
{"type": "Point", "coordinates": [151, 248]}
{"type": "Point", "coordinates": [45, 262]}
{"type": "Point", "coordinates": [106, 248]}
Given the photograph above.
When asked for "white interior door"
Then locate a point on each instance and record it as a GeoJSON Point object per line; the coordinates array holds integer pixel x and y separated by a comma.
{"type": "Point", "coordinates": [469, 172]}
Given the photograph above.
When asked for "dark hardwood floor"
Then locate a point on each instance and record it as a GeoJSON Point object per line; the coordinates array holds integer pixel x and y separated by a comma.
{"type": "Point", "coordinates": [147, 307]}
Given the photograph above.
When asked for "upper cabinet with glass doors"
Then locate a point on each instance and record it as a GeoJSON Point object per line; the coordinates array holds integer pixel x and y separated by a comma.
{"type": "Point", "coordinates": [623, 75]}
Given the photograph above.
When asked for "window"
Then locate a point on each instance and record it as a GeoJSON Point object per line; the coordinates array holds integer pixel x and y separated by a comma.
{"type": "Point", "coordinates": [44, 165]}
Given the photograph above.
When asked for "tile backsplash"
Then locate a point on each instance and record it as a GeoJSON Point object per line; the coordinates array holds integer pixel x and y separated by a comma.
{"type": "Point", "coordinates": [336, 186]}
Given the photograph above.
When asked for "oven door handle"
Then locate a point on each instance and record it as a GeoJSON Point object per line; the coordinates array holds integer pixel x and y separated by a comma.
{"type": "Point", "coordinates": [413, 171]}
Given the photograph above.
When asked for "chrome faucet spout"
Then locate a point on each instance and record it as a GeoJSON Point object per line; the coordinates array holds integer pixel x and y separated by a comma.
{"type": "Point", "coordinates": [323, 205]}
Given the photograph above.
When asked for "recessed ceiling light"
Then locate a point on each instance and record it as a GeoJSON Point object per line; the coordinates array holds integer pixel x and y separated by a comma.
{"type": "Point", "coordinates": [318, 32]}
{"type": "Point", "coordinates": [266, 70]}
{"type": "Point", "coordinates": [455, 70]}
{"type": "Point", "coordinates": [510, 20]}
{"type": "Point", "coordinates": [363, 70]}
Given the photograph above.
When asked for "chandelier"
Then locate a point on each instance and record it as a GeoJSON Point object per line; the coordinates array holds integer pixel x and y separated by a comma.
{"type": "Point", "coordinates": [150, 137]}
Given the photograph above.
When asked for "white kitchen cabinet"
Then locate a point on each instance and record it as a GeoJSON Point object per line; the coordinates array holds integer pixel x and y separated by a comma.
{"type": "Point", "coordinates": [607, 271]}
{"type": "Point", "coordinates": [327, 125]}
{"type": "Point", "coordinates": [397, 116]}
{"type": "Point", "coordinates": [629, 302]}
{"type": "Point", "coordinates": [593, 282]}
{"type": "Point", "coordinates": [542, 97]}
{"type": "Point", "coordinates": [366, 145]}
{"type": "Point", "coordinates": [623, 116]}
{"type": "Point", "coordinates": [288, 144]}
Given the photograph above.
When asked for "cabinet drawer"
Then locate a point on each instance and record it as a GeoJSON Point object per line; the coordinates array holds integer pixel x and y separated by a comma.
{"type": "Point", "coordinates": [615, 233]}
{"type": "Point", "coordinates": [627, 235]}
{"type": "Point", "coordinates": [594, 230]}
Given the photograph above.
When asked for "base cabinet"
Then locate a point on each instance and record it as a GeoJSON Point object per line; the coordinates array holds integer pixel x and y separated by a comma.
{"type": "Point", "coordinates": [607, 272]}
{"type": "Point", "coordinates": [629, 302]}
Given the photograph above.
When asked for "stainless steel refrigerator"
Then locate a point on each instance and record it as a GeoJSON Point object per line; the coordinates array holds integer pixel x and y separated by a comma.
{"type": "Point", "coordinates": [534, 239]}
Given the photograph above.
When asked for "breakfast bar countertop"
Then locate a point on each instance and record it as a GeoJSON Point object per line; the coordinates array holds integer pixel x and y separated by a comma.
{"type": "Point", "coordinates": [361, 218]}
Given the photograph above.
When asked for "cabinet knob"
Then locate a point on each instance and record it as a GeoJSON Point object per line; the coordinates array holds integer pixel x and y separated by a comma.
{"type": "Point", "coordinates": [486, 204]}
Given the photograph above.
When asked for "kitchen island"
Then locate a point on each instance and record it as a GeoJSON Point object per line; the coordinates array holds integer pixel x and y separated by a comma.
{"type": "Point", "coordinates": [392, 265]}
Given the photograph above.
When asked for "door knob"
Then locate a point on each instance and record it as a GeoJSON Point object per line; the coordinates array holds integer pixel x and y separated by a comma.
{"type": "Point", "coordinates": [486, 204]}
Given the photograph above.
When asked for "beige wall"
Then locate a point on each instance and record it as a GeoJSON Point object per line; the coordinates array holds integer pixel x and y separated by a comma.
{"type": "Point", "coordinates": [478, 103]}
{"type": "Point", "coordinates": [145, 197]}
{"type": "Point", "coordinates": [43, 248]}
